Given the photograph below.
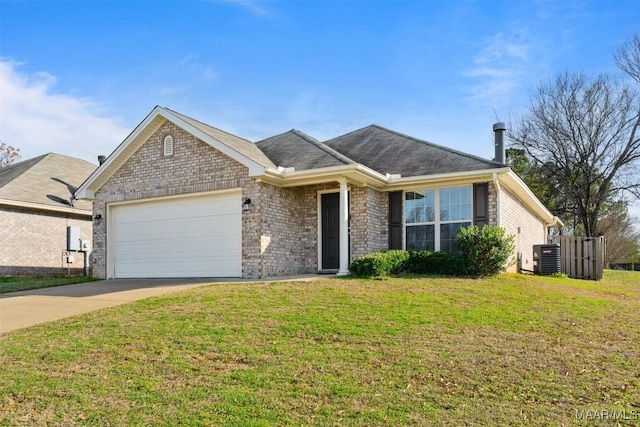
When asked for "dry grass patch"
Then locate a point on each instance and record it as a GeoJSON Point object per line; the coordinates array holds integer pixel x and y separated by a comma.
{"type": "Point", "coordinates": [513, 350]}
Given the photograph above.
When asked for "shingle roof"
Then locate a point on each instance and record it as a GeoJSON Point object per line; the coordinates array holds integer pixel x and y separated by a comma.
{"type": "Point", "coordinates": [241, 145]}
{"type": "Point", "coordinates": [301, 151]}
{"type": "Point", "coordinates": [48, 180]}
{"type": "Point", "coordinates": [387, 151]}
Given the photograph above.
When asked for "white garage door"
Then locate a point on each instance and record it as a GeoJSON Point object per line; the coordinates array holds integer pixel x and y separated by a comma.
{"type": "Point", "coordinates": [196, 236]}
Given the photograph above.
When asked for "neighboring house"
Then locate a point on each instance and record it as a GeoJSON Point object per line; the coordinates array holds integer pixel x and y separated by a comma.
{"type": "Point", "coordinates": [35, 211]}
{"type": "Point", "coordinates": [179, 198]}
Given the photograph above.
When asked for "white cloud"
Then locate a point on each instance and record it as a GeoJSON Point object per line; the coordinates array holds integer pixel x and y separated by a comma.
{"type": "Point", "coordinates": [38, 120]}
{"type": "Point", "coordinates": [313, 111]}
{"type": "Point", "coordinates": [500, 67]}
{"type": "Point", "coordinates": [204, 72]}
{"type": "Point", "coordinates": [254, 6]}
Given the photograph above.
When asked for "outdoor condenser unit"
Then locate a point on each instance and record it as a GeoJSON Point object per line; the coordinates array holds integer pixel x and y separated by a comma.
{"type": "Point", "coordinates": [546, 259]}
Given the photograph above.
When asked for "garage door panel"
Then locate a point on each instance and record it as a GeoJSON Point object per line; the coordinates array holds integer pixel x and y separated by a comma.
{"type": "Point", "coordinates": [175, 239]}
{"type": "Point", "coordinates": [175, 234]}
{"type": "Point", "coordinates": [188, 216]}
{"type": "Point", "coordinates": [185, 237]}
{"type": "Point", "coordinates": [160, 251]}
{"type": "Point", "coordinates": [163, 210]}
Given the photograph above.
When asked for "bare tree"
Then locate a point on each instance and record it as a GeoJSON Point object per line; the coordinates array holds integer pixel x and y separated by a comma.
{"type": "Point", "coordinates": [587, 129]}
{"type": "Point", "coordinates": [8, 154]}
{"type": "Point", "coordinates": [628, 58]}
{"type": "Point", "coordinates": [623, 241]}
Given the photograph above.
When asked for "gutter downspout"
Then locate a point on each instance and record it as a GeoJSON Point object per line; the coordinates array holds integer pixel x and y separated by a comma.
{"type": "Point", "coordinates": [496, 184]}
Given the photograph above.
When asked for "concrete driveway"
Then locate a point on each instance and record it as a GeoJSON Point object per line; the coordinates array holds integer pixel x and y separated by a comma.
{"type": "Point", "coordinates": [26, 308]}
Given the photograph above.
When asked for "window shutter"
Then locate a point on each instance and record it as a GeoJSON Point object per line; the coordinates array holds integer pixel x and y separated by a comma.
{"type": "Point", "coordinates": [481, 204]}
{"type": "Point", "coordinates": [395, 220]}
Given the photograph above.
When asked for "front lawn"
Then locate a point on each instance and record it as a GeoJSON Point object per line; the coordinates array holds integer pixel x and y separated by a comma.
{"type": "Point", "coordinates": [512, 350]}
{"type": "Point", "coordinates": [13, 284]}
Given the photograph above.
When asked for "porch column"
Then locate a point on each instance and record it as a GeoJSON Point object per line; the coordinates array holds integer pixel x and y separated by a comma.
{"type": "Point", "coordinates": [344, 229]}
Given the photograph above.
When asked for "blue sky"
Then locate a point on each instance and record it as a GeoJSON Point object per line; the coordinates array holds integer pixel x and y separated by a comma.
{"type": "Point", "coordinates": [77, 77]}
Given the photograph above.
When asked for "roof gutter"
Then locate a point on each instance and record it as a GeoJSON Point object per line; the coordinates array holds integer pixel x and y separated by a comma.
{"type": "Point", "coordinates": [403, 183]}
{"type": "Point", "coordinates": [367, 176]}
{"type": "Point", "coordinates": [40, 207]}
{"type": "Point", "coordinates": [355, 172]}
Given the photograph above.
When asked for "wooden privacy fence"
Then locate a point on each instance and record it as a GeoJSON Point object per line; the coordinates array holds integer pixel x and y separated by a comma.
{"type": "Point", "coordinates": [629, 266]}
{"type": "Point", "coordinates": [582, 257]}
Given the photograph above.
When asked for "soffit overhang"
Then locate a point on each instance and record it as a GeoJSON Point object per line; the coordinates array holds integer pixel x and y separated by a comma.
{"type": "Point", "coordinates": [362, 176]}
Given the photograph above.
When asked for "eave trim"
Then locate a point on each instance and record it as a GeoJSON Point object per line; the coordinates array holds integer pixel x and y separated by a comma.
{"type": "Point", "coordinates": [44, 208]}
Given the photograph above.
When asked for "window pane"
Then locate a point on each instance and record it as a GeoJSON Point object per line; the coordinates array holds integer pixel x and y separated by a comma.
{"type": "Point", "coordinates": [465, 211]}
{"type": "Point", "coordinates": [430, 209]}
{"type": "Point", "coordinates": [419, 206]}
{"type": "Point", "coordinates": [449, 236]}
{"type": "Point", "coordinates": [420, 238]}
{"type": "Point", "coordinates": [455, 204]}
{"type": "Point", "coordinates": [409, 209]}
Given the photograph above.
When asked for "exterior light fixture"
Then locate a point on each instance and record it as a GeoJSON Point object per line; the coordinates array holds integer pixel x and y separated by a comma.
{"type": "Point", "coordinates": [98, 217]}
{"type": "Point", "coordinates": [245, 205]}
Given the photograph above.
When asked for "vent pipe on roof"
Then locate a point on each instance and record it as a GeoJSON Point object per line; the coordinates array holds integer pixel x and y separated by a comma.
{"type": "Point", "coordinates": [498, 129]}
{"type": "Point", "coordinates": [101, 159]}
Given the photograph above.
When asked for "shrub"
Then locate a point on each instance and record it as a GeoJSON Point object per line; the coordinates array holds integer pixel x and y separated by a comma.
{"type": "Point", "coordinates": [486, 249]}
{"type": "Point", "coordinates": [426, 262]}
{"type": "Point", "coordinates": [378, 264]}
{"type": "Point", "coordinates": [384, 263]}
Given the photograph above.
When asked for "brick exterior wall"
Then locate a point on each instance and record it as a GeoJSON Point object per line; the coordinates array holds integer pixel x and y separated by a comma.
{"type": "Point", "coordinates": [515, 215]}
{"type": "Point", "coordinates": [369, 221]}
{"type": "Point", "coordinates": [280, 231]}
{"type": "Point", "coordinates": [284, 238]}
{"type": "Point", "coordinates": [194, 167]}
{"type": "Point", "coordinates": [290, 229]}
{"type": "Point", "coordinates": [32, 242]}
{"type": "Point", "coordinates": [289, 226]}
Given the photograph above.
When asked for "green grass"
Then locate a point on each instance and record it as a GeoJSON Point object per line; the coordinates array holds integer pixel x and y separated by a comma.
{"type": "Point", "coordinates": [512, 350]}
{"type": "Point", "coordinates": [13, 284]}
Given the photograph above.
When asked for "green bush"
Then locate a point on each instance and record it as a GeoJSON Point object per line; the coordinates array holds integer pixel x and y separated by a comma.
{"type": "Point", "coordinates": [485, 252]}
{"type": "Point", "coordinates": [486, 249]}
{"type": "Point", "coordinates": [426, 262]}
{"type": "Point", "coordinates": [377, 264]}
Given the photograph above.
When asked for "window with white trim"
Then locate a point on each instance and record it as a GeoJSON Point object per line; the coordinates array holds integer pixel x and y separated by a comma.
{"type": "Point", "coordinates": [168, 145]}
{"type": "Point", "coordinates": [434, 217]}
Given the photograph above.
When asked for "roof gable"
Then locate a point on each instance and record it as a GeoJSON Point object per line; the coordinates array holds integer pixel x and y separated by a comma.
{"type": "Point", "coordinates": [236, 143]}
{"type": "Point", "coordinates": [301, 151]}
{"type": "Point", "coordinates": [239, 149]}
{"type": "Point", "coordinates": [45, 182]}
{"type": "Point", "coordinates": [390, 152]}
